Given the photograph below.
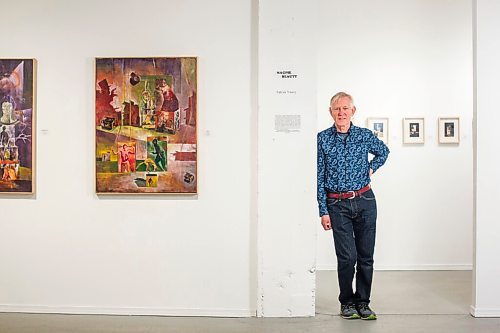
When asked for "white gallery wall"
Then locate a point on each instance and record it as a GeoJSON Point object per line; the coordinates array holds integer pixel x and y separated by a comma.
{"type": "Point", "coordinates": [410, 58]}
{"type": "Point", "coordinates": [286, 158]}
{"type": "Point", "coordinates": [67, 250]}
{"type": "Point", "coordinates": [486, 289]}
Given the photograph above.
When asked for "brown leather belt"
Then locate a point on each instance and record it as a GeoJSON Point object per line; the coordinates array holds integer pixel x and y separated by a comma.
{"type": "Point", "coordinates": [348, 194]}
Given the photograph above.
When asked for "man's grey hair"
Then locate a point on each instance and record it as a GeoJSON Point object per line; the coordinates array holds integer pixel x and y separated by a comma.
{"type": "Point", "coordinates": [340, 95]}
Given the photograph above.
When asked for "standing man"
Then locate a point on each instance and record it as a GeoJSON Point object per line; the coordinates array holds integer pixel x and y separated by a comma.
{"type": "Point", "coordinates": [347, 203]}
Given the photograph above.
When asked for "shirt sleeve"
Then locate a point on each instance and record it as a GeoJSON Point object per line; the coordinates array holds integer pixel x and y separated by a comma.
{"type": "Point", "coordinates": [379, 151]}
{"type": "Point", "coordinates": [321, 192]}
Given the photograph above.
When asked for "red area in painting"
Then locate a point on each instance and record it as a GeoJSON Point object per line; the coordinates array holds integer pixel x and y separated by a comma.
{"type": "Point", "coordinates": [103, 99]}
{"type": "Point", "coordinates": [185, 156]}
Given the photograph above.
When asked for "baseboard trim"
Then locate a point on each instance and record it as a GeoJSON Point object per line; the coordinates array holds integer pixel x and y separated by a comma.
{"type": "Point", "coordinates": [484, 312]}
{"type": "Point", "coordinates": [88, 310]}
{"type": "Point", "coordinates": [407, 268]}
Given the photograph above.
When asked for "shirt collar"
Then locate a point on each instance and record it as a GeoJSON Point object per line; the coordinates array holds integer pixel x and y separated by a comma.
{"type": "Point", "coordinates": [335, 132]}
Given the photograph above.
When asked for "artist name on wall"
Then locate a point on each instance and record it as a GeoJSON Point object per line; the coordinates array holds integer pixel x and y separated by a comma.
{"type": "Point", "coordinates": [286, 74]}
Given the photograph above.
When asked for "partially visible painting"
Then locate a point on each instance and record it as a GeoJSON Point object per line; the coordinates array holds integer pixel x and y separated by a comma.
{"type": "Point", "coordinates": [17, 120]}
{"type": "Point", "coordinates": [145, 121]}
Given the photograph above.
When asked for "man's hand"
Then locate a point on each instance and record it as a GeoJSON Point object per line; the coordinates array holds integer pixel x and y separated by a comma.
{"type": "Point", "coordinates": [325, 222]}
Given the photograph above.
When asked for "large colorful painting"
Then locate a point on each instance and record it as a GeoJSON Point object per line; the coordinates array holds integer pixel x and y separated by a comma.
{"type": "Point", "coordinates": [146, 125]}
{"type": "Point", "coordinates": [17, 99]}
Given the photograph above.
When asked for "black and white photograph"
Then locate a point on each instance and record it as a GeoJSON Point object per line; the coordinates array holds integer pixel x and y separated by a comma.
{"type": "Point", "coordinates": [413, 130]}
{"type": "Point", "coordinates": [449, 130]}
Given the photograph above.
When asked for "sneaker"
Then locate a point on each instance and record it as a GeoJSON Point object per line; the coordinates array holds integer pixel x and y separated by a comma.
{"type": "Point", "coordinates": [348, 311]}
{"type": "Point", "coordinates": [365, 312]}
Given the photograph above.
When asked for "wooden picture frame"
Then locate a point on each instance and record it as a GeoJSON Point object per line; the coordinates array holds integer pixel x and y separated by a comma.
{"type": "Point", "coordinates": [146, 125]}
{"type": "Point", "coordinates": [413, 130]}
{"type": "Point", "coordinates": [379, 127]}
{"type": "Point", "coordinates": [449, 130]}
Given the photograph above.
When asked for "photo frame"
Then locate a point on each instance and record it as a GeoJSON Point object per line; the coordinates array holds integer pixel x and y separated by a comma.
{"type": "Point", "coordinates": [413, 131]}
{"type": "Point", "coordinates": [146, 125]}
{"type": "Point", "coordinates": [17, 126]}
{"type": "Point", "coordinates": [449, 130]}
{"type": "Point", "coordinates": [379, 127]}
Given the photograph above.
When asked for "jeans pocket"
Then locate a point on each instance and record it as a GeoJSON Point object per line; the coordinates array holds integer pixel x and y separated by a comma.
{"type": "Point", "coordinates": [368, 195]}
{"type": "Point", "coordinates": [331, 201]}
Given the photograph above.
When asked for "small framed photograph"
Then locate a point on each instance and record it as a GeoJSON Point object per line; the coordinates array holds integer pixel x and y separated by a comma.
{"type": "Point", "coordinates": [449, 130]}
{"type": "Point", "coordinates": [413, 130]}
{"type": "Point", "coordinates": [379, 127]}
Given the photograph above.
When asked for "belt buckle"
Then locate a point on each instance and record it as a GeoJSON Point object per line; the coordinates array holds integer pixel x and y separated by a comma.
{"type": "Point", "coordinates": [353, 194]}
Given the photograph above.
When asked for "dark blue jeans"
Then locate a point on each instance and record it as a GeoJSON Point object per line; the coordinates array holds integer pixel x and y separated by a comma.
{"type": "Point", "coordinates": [353, 225]}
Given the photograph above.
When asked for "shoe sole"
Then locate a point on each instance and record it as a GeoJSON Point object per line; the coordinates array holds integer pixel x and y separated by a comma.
{"type": "Point", "coordinates": [354, 316]}
{"type": "Point", "coordinates": [370, 317]}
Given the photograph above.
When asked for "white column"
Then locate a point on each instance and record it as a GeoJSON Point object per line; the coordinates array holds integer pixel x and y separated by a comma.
{"type": "Point", "coordinates": [486, 282]}
{"type": "Point", "coordinates": [287, 214]}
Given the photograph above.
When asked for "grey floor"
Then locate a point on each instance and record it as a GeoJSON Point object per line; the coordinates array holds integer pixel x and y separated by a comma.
{"type": "Point", "coordinates": [406, 302]}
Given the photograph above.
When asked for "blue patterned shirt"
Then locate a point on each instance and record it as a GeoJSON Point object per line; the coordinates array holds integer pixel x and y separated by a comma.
{"type": "Point", "coordinates": [343, 163]}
